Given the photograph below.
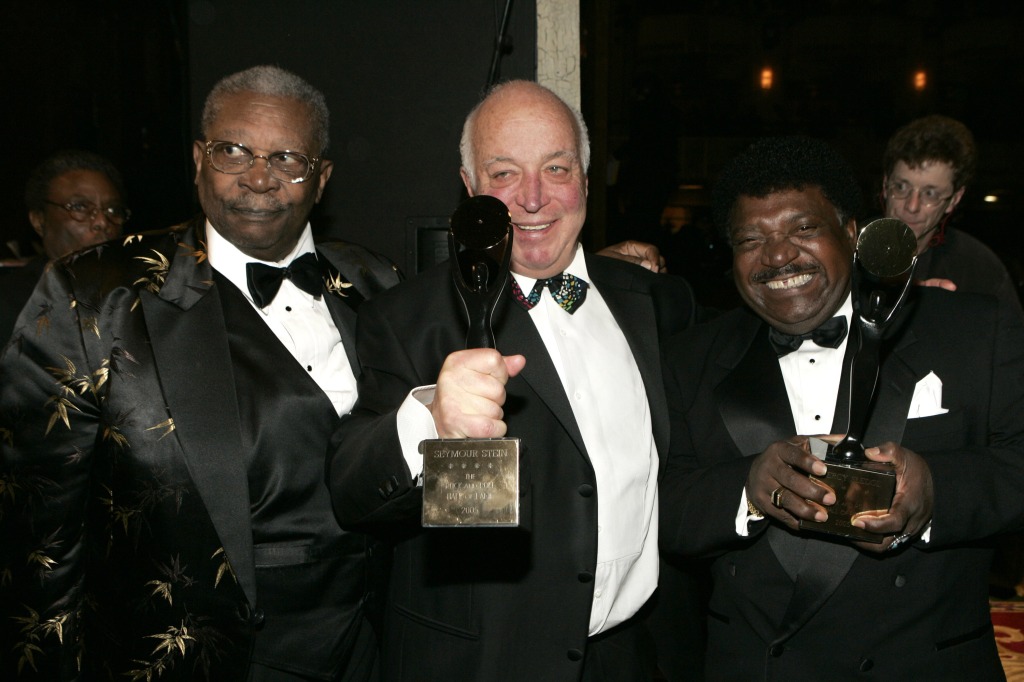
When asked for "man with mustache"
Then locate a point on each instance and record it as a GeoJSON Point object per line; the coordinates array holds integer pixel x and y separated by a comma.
{"type": "Point", "coordinates": [747, 389]}
{"type": "Point", "coordinates": [163, 422]}
{"type": "Point", "coordinates": [929, 164]}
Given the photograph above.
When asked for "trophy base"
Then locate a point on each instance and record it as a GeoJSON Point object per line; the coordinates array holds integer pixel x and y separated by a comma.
{"type": "Point", "coordinates": [470, 482]}
{"type": "Point", "coordinates": [859, 487]}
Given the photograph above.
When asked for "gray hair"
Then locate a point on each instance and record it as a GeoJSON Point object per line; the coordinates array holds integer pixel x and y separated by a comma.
{"type": "Point", "coordinates": [276, 82]}
{"type": "Point", "coordinates": [467, 151]}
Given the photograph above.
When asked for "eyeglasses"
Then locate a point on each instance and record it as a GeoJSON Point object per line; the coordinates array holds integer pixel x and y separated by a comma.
{"type": "Point", "coordinates": [83, 211]}
{"type": "Point", "coordinates": [929, 196]}
{"type": "Point", "coordinates": [234, 159]}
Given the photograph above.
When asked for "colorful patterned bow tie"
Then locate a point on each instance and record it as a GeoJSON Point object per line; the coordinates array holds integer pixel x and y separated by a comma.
{"type": "Point", "coordinates": [829, 335]}
{"type": "Point", "coordinates": [265, 280]}
{"type": "Point", "coordinates": [569, 292]}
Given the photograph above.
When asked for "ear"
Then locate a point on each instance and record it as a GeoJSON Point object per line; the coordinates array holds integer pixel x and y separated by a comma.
{"type": "Point", "coordinates": [466, 181]}
{"type": "Point", "coordinates": [38, 220]}
{"type": "Point", "coordinates": [198, 154]}
{"type": "Point", "coordinates": [955, 199]}
{"type": "Point", "coordinates": [851, 232]}
{"type": "Point", "coordinates": [326, 166]}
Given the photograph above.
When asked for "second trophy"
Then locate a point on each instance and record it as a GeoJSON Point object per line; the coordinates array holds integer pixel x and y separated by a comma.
{"type": "Point", "coordinates": [474, 482]}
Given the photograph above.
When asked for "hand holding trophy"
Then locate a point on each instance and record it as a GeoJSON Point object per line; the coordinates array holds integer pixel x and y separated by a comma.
{"type": "Point", "coordinates": [474, 482]}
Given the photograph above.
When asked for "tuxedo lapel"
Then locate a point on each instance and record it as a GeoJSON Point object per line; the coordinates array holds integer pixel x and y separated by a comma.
{"type": "Point", "coordinates": [752, 398]}
{"type": "Point", "coordinates": [896, 383]}
{"type": "Point", "coordinates": [194, 365]}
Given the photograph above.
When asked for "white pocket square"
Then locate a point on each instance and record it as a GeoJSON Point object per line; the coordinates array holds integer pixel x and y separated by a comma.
{"type": "Point", "coordinates": [927, 399]}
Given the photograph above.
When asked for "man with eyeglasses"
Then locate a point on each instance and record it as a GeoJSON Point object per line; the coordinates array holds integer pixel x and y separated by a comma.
{"type": "Point", "coordinates": [928, 165]}
{"type": "Point", "coordinates": [164, 417]}
{"type": "Point", "coordinates": [75, 199]}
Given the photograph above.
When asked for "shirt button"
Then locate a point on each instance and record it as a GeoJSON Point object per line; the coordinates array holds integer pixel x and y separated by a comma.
{"type": "Point", "coordinates": [288, 308]}
{"type": "Point", "coordinates": [578, 395]}
{"type": "Point", "coordinates": [309, 368]}
{"type": "Point", "coordinates": [817, 417]}
{"type": "Point", "coordinates": [562, 331]}
{"type": "Point", "coordinates": [597, 594]}
{"type": "Point", "coordinates": [812, 361]}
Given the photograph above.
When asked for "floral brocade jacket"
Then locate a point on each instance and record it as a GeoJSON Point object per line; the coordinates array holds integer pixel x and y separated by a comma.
{"type": "Point", "coordinates": [125, 535]}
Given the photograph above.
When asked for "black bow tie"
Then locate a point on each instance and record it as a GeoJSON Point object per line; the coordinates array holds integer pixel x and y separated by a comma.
{"type": "Point", "coordinates": [829, 335]}
{"type": "Point", "coordinates": [265, 280]}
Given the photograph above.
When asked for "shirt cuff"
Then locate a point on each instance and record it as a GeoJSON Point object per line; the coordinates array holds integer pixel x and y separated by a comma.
{"type": "Point", "coordinates": [743, 515]}
{"type": "Point", "coordinates": [415, 423]}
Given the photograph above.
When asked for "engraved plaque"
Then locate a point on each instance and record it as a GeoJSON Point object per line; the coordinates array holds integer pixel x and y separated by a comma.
{"type": "Point", "coordinates": [470, 482]}
{"type": "Point", "coordinates": [861, 487]}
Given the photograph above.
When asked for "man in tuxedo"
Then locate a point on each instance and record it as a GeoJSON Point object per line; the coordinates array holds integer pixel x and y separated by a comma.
{"type": "Point", "coordinates": [576, 379]}
{"type": "Point", "coordinates": [788, 604]}
{"type": "Point", "coordinates": [166, 405]}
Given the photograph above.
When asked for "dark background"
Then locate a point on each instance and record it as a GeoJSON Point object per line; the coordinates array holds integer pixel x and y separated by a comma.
{"type": "Point", "coordinates": [670, 90]}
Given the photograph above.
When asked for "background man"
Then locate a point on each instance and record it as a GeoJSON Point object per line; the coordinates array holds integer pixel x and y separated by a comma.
{"type": "Point", "coordinates": [75, 199]}
{"type": "Point", "coordinates": [165, 423]}
{"type": "Point", "coordinates": [929, 164]}
{"type": "Point", "coordinates": [555, 599]}
{"type": "Point", "coordinates": [789, 605]}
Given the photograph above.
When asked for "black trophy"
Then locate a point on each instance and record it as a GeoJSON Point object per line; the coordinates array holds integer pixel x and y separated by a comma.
{"type": "Point", "coordinates": [474, 482]}
{"type": "Point", "coordinates": [884, 263]}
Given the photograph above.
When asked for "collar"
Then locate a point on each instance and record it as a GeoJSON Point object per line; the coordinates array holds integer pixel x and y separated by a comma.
{"type": "Point", "coordinates": [229, 261]}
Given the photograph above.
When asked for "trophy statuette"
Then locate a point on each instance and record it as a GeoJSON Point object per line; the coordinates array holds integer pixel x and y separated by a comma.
{"type": "Point", "coordinates": [884, 263]}
{"type": "Point", "coordinates": [474, 482]}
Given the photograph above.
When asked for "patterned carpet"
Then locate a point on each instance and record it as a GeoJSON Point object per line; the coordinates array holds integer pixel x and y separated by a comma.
{"type": "Point", "coordinates": [1008, 619]}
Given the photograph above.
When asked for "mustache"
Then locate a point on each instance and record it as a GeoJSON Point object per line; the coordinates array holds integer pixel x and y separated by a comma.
{"type": "Point", "coordinates": [268, 204]}
{"type": "Point", "coordinates": [776, 273]}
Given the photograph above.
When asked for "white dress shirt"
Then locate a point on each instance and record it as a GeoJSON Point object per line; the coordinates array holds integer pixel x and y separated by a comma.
{"type": "Point", "coordinates": [302, 322]}
{"type": "Point", "coordinates": [609, 402]}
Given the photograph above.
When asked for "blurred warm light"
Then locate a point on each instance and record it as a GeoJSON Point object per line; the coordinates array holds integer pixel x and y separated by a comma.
{"type": "Point", "coordinates": [990, 198]}
{"type": "Point", "coordinates": [920, 80]}
{"type": "Point", "coordinates": [766, 78]}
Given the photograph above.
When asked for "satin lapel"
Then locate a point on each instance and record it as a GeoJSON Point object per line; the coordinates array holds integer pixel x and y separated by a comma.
{"type": "Point", "coordinates": [895, 390]}
{"type": "Point", "coordinates": [514, 334]}
{"type": "Point", "coordinates": [194, 365]}
{"type": "Point", "coordinates": [752, 398]}
{"type": "Point", "coordinates": [633, 310]}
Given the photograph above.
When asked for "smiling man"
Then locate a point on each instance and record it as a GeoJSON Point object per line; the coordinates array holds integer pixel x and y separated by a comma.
{"type": "Point", "coordinates": [745, 391]}
{"type": "Point", "coordinates": [577, 381]}
{"type": "Point", "coordinates": [165, 416]}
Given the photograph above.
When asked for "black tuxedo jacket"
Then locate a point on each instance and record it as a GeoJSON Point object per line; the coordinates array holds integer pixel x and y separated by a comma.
{"type": "Point", "coordinates": [127, 539]}
{"type": "Point", "coordinates": [918, 613]}
{"type": "Point", "coordinates": [490, 604]}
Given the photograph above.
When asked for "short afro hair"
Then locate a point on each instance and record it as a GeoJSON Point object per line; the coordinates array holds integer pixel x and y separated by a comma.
{"type": "Point", "coordinates": [778, 164]}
